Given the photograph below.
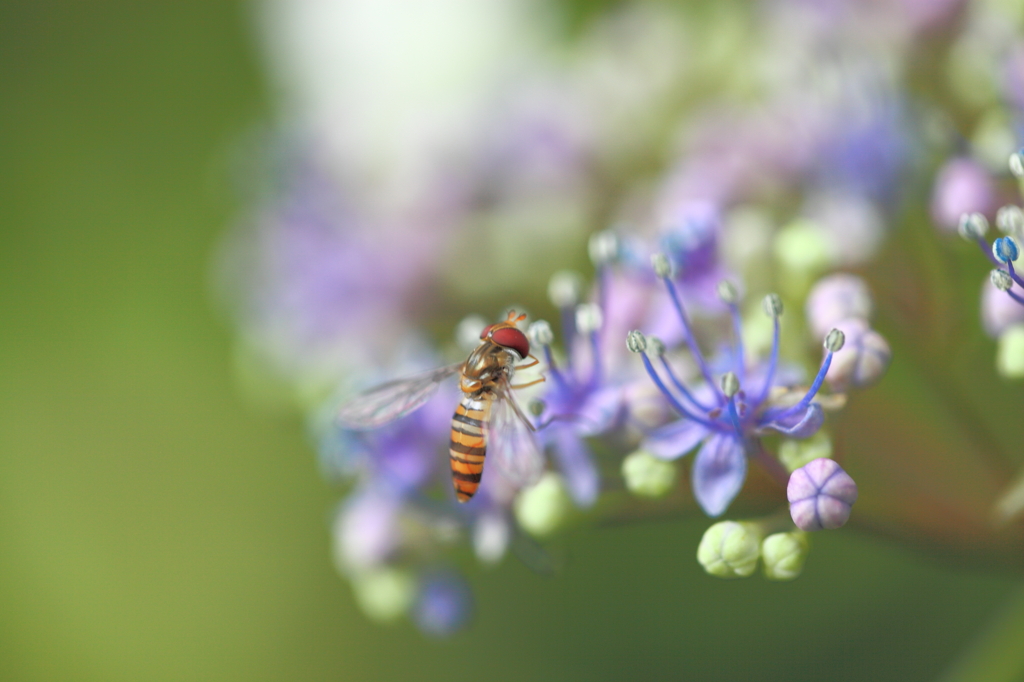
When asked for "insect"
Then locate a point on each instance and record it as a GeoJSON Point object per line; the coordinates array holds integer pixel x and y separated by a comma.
{"type": "Point", "coordinates": [487, 420]}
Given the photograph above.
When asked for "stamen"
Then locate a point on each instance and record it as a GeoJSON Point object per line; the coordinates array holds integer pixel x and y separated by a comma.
{"type": "Point", "coordinates": [1004, 282]}
{"type": "Point", "coordinates": [540, 334]}
{"type": "Point", "coordinates": [1005, 249]}
{"type": "Point", "coordinates": [680, 386]}
{"type": "Point", "coordinates": [833, 343]}
{"type": "Point", "coordinates": [772, 305]}
{"type": "Point", "coordinates": [589, 320]}
{"type": "Point", "coordinates": [637, 343]}
{"type": "Point", "coordinates": [727, 292]}
{"type": "Point", "coordinates": [663, 268]}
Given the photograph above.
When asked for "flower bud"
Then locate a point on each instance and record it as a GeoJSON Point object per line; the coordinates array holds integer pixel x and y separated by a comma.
{"type": "Point", "coordinates": [490, 537]}
{"type": "Point", "coordinates": [784, 555]}
{"type": "Point", "coordinates": [636, 342]}
{"type": "Point", "coordinates": [1016, 164]}
{"type": "Point", "coordinates": [730, 384]}
{"type": "Point", "coordinates": [540, 333]}
{"type": "Point", "coordinates": [772, 305]}
{"type": "Point", "coordinates": [1010, 353]}
{"type": "Point", "coordinates": [1005, 249]}
{"type": "Point", "coordinates": [662, 265]}
{"type": "Point", "coordinates": [796, 453]}
{"type": "Point", "coordinates": [648, 476]}
{"type": "Point", "coordinates": [1001, 280]}
{"type": "Point", "coordinates": [564, 288]}
{"type": "Point", "coordinates": [543, 508]}
{"type": "Point", "coordinates": [972, 226]}
{"type": "Point", "coordinates": [834, 298]}
{"type": "Point", "coordinates": [864, 357]}
{"type": "Point", "coordinates": [962, 186]}
{"type": "Point", "coordinates": [730, 549]}
{"type": "Point", "coordinates": [589, 318]}
{"type": "Point", "coordinates": [727, 292]}
{"type": "Point", "coordinates": [999, 312]}
{"type": "Point", "coordinates": [603, 247]}
{"type": "Point", "coordinates": [443, 605]}
{"type": "Point", "coordinates": [385, 594]}
{"type": "Point", "coordinates": [820, 495]}
{"type": "Point", "coordinates": [1010, 220]}
{"type": "Point", "coordinates": [834, 340]}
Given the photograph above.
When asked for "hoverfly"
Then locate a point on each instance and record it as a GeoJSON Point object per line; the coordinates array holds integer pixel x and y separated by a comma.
{"type": "Point", "coordinates": [487, 418]}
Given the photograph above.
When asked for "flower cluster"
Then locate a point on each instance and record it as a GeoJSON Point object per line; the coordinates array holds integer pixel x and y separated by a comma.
{"type": "Point", "coordinates": [392, 219]}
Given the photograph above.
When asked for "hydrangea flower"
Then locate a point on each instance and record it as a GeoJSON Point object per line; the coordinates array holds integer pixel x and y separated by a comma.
{"type": "Point", "coordinates": [725, 421]}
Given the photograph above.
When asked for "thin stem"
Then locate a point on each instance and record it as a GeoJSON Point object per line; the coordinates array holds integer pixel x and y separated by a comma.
{"type": "Point", "coordinates": [811, 392]}
{"type": "Point", "coordinates": [1013, 274]}
{"type": "Point", "coordinates": [690, 340]}
{"type": "Point", "coordinates": [682, 387]}
{"type": "Point", "coordinates": [768, 463]}
{"type": "Point", "coordinates": [772, 362]}
{"type": "Point", "coordinates": [569, 333]}
{"type": "Point", "coordinates": [1017, 297]}
{"type": "Point", "coordinates": [553, 368]}
{"type": "Point", "coordinates": [737, 331]}
{"type": "Point", "coordinates": [672, 399]}
{"type": "Point", "coordinates": [987, 250]}
{"type": "Point", "coordinates": [595, 349]}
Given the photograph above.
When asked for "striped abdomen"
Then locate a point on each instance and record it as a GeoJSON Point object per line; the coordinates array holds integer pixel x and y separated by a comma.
{"type": "Point", "coordinates": [469, 443]}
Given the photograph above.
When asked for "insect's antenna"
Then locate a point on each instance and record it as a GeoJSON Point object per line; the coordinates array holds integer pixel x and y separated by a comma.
{"type": "Point", "coordinates": [520, 318]}
{"type": "Point", "coordinates": [512, 316]}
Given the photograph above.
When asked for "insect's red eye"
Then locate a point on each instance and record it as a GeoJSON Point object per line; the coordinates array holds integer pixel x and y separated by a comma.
{"type": "Point", "coordinates": [510, 337]}
{"type": "Point", "coordinates": [486, 331]}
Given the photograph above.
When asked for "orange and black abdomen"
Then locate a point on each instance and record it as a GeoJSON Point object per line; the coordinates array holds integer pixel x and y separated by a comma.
{"type": "Point", "coordinates": [468, 446]}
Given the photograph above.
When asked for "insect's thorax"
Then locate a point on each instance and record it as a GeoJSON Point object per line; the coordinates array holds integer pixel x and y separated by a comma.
{"type": "Point", "coordinates": [485, 367]}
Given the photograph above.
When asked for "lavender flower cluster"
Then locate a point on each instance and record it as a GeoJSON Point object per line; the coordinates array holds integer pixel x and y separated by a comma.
{"type": "Point", "coordinates": [388, 223]}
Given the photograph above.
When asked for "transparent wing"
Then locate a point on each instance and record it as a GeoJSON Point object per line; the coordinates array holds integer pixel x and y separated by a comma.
{"type": "Point", "coordinates": [510, 441]}
{"type": "Point", "coordinates": [392, 400]}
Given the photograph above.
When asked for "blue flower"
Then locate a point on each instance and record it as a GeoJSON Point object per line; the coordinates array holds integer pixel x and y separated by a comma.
{"type": "Point", "coordinates": [580, 401]}
{"type": "Point", "coordinates": [727, 419]}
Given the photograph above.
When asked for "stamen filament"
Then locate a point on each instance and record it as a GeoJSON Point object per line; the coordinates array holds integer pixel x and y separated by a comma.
{"type": "Point", "coordinates": [1013, 273]}
{"type": "Point", "coordinates": [737, 330]}
{"type": "Point", "coordinates": [772, 362]}
{"type": "Point", "coordinates": [672, 399]}
{"type": "Point", "coordinates": [682, 387]}
{"type": "Point", "coordinates": [983, 245]}
{"type": "Point", "coordinates": [690, 340]}
{"type": "Point", "coordinates": [811, 392]}
{"type": "Point", "coordinates": [556, 374]}
{"type": "Point", "coordinates": [569, 332]}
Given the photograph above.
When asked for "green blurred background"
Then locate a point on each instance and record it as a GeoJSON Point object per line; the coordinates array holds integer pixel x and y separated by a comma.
{"type": "Point", "coordinates": [152, 527]}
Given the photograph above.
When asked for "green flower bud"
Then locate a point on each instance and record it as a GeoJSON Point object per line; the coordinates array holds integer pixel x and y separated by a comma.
{"type": "Point", "coordinates": [772, 305]}
{"type": "Point", "coordinates": [648, 476]}
{"type": "Point", "coordinates": [543, 508]}
{"type": "Point", "coordinates": [730, 549]}
{"type": "Point", "coordinates": [784, 555]}
{"type": "Point", "coordinates": [1010, 353]}
{"type": "Point", "coordinates": [384, 595]}
{"type": "Point", "coordinates": [796, 453]}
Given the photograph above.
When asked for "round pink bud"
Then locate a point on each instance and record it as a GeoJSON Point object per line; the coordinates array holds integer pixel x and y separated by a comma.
{"type": "Point", "coordinates": [836, 298]}
{"type": "Point", "coordinates": [820, 495]}
{"type": "Point", "coordinates": [863, 359]}
{"type": "Point", "coordinates": [962, 186]}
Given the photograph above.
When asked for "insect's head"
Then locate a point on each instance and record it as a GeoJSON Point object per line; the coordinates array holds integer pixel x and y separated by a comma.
{"type": "Point", "coordinates": [507, 335]}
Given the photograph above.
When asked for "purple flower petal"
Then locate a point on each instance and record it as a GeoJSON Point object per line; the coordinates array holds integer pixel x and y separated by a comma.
{"type": "Point", "coordinates": [674, 440]}
{"type": "Point", "coordinates": [601, 410]}
{"type": "Point", "coordinates": [718, 473]}
{"type": "Point", "coordinates": [574, 460]}
{"type": "Point", "coordinates": [799, 424]}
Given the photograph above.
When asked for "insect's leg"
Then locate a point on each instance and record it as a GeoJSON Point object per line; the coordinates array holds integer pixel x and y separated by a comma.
{"type": "Point", "coordinates": [529, 383]}
{"type": "Point", "coordinates": [529, 364]}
